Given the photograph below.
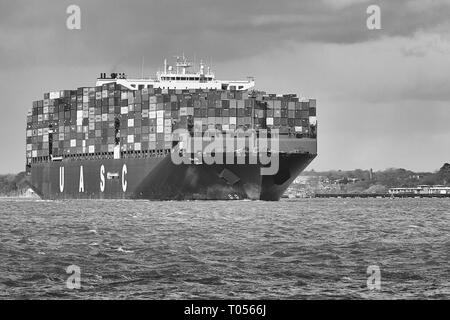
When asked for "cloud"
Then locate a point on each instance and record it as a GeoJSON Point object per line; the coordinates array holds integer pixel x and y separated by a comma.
{"type": "Point", "coordinates": [340, 4]}
{"type": "Point", "coordinates": [121, 32]}
{"type": "Point", "coordinates": [374, 88]}
{"type": "Point", "coordinates": [427, 43]}
{"type": "Point", "coordinates": [421, 6]}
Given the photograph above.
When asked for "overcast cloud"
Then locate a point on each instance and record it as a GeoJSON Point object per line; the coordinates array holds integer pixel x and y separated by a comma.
{"type": "Point", "coordinates": [382, 95]}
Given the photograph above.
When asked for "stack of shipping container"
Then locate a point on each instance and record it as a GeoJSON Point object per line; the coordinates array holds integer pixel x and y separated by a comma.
{"type": "Point", "coordinates": [94, 120]}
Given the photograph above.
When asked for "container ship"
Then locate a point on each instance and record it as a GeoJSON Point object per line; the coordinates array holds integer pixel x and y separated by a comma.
{"type": "Point", "coordinates": [130, 138]}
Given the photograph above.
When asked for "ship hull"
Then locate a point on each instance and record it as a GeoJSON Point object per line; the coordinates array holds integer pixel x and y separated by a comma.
{"type": "Point", "coordinates": [158, 178]}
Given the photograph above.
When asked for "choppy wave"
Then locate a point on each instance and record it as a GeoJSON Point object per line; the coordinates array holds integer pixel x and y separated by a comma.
{"type": "Point", "coordinates": [305, 249]}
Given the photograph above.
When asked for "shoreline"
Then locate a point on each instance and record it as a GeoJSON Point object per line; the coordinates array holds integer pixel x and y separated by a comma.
{"type": "Point", "coordinates": [379, 195]}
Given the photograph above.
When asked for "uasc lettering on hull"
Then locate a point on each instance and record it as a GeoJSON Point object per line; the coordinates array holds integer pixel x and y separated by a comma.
{"type": "Point", "coordinates": [102, 184]}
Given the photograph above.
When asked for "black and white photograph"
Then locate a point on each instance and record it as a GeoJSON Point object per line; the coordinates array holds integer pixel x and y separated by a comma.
{"type": "Point", "coordinates": [224, 155]}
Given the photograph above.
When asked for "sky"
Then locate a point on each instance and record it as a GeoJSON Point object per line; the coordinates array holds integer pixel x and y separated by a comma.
{"type": "Point", "coordinates": [382, 95]}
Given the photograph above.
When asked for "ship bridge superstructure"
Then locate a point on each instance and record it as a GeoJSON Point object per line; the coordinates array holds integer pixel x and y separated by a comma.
{"type": "Point", "coordinates": [179, 77]}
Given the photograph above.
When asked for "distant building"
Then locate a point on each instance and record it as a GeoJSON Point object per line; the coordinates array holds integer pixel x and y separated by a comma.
{"type": "Point", "coordinates": [303, 179]}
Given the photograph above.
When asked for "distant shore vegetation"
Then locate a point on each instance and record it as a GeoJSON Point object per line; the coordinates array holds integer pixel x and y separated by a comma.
{"type": "Point", "coordinates": [12, 185]}
{"type": "Point", "coordinates": [365, 181]}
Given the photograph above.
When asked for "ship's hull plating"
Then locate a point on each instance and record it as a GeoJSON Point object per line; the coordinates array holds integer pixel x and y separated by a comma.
{"type": "Point", "coordinates": [158, 178]}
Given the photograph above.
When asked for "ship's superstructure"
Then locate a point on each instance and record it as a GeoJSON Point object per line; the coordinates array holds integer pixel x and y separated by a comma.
{"type": "Point", "coordinates": [119, 139]}
{"type": "Point", "coordinates": [178, 77]}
